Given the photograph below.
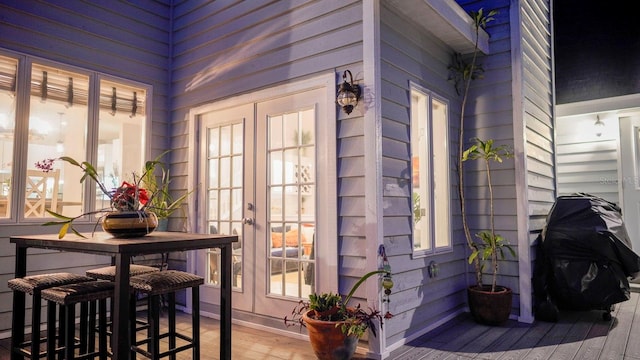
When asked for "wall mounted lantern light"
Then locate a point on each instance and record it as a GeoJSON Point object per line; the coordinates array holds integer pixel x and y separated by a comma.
{"type": "Point", "coordinates": [599, 124]}
{"type": "Point", "coordinates": [348, 93]}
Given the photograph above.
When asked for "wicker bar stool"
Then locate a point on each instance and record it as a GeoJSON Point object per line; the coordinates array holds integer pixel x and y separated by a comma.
{"type": "Point", "coordinates": [109, 272]}
{"type": "Point", "coordinates": [34, 285]}
{"type": "Point", "coordinates": [67, 296]}
{"type": "Point", "coordinates": [154, 285]}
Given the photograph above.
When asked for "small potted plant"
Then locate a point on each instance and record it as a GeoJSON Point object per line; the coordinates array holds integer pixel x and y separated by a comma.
{"type": "Point", "coordinates": [334, 328]}
{"type": "Point", "coordinates": [489, 304]}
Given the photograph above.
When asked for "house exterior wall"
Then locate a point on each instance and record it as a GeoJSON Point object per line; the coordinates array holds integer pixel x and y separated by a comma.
{"type": "Point", "coordinates": [535, 139]}
{"type": "Point", "coordinates": [207, 51]}
{"type": "Point", "coordinates": [587, 163]}
{"type": "Point", "coordinates": [224, 50]}
{"type": "Point", "coordinates": [418, 301]}
{"type": "Point", "coordinates": [123, 39]}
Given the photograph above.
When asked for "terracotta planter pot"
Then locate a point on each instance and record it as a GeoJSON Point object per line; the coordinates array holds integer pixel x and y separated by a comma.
{"type": "Point", "coordinates": [490, 308]}
{"type": "Point", "coordinates": [327, 340]}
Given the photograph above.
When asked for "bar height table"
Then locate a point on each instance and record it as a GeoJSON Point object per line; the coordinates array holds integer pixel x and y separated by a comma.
{"type": "Point", "coordinates": [122, 250]}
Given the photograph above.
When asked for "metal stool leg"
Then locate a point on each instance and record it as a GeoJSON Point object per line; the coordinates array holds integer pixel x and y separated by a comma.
{"type": "Point", "coordinates": [172, 323]}
{"type": "Point", "coordinates": [195, 321]}
{"type": "Point", "coordinates": [69, 350]}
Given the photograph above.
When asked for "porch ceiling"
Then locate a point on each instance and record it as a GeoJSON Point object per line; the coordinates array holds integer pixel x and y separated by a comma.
{"type": "Point", "coordinates": [446, 20]}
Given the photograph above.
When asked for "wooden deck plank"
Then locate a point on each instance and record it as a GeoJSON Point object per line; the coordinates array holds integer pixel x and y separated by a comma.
{"type": "Point", "coordinates": [618, 337]}
{"type": "Point", "coordinates": [573, 340]}
{"type": "Point", "coordinates": [531, 338]}
{"type": "Point", "coordinates": [505, 342]}
{"type": "Point", "coordinates": [633, 345]}
{"type": "Point", "coordinates": [472, 348]}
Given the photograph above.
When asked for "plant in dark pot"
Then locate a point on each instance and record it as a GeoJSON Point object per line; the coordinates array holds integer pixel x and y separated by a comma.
{"type": "Point", "coordinates": [334, 328]}
{"type": "Point", "coordinates": [489, 304]}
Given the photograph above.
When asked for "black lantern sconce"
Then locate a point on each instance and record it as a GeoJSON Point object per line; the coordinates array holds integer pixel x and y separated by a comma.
{"type": "Point", "coordinates": [348, 93]}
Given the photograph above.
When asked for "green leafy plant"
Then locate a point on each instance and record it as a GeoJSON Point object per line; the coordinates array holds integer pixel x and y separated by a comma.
{"type": "Point", "coordinates": [156, 179]}
{"type": "Point", "coordinates": [333, 307]}
{"type": "Point", "coordinates": [491, 245]}
{"type": "Point", "coordinates": [462, 71]}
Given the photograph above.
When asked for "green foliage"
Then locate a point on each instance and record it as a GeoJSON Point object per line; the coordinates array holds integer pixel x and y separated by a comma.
{"type": "Point", "coordinates": [480, 20]}
{"type": "Point", "coordinates": [417, 213]}
{"type": "Point", "coordinates": [462, 71]}
{"type": "Point", "coordinates": [484, 150]}
{"type": "Point", "coordinates": [325, 302]}
{"type": "Point", "coordinates": [491, 245]}
{"type": "Point", "coordinates": [332, 307]}
{"type": "Point", "coordinates": [156, 179]}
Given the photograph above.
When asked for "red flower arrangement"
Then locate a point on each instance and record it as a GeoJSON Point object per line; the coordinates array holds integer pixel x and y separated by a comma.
{"type": "Point", "coordinates": [127, 197]}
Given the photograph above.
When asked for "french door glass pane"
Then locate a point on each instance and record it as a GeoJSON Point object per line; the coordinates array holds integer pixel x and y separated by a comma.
{"type": "Point", "coordinates": [225, 197]}
{"type": "Point", "coordinates": [291, 221]}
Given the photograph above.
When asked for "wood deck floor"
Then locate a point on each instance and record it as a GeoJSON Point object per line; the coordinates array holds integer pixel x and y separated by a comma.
{"type": "Point", "coordinates": [578, 335]}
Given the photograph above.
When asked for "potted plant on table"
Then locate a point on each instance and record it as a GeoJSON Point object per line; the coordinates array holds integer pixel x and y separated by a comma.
{"type": "Point", "coordinates": [334, 328]}
{"type": "Point", "coordinates": [135, 205]}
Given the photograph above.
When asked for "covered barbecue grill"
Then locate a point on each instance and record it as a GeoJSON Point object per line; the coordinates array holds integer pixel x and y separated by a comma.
{"type": "Point", "coordinates": [583, 258]}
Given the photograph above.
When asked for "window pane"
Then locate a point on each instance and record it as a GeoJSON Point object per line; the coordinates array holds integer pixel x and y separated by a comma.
{"type": "Point", "coordinates": [121, 137]}
{"type": "Point", "coordinates": [8, 70]}
{"type": "Point", "coordinates": [420, 163]}
{"type": "Point", "coordinates": [58, 115]}
{"type": "Point", "coordinates": [430, 170]}
{"type": "Point", "coordinates": [441, 169]}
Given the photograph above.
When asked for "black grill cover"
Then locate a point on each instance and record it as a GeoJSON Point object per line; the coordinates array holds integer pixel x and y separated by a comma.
{"type": "Point", "coordinates": [584, 255]}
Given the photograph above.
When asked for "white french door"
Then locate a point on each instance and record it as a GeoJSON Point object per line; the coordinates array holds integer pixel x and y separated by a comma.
{"type": "Point", "coordinates": [226, 183]}
{"type": "Point", "coordinates": [259, 178]}
{"type": "Point", "coordinates": [286, 263]}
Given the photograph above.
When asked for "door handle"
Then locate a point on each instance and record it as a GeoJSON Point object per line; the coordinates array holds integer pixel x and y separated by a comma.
{"type": "Point", "coordinates": [247, 221]}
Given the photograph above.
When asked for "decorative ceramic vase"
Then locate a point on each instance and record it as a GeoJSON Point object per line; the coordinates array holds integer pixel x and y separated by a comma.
{"type": "Point", "coordinates": [124, 224]}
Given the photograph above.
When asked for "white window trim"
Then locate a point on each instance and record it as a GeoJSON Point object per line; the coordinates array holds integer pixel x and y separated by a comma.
{"type": "Point", "coordinates": [433, 250]}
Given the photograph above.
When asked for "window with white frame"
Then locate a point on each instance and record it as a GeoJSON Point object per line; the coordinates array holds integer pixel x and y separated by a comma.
{"type": "Point", "coordinates": [48, 110]}
{"type": "Point", "coordinates": [430, 170]}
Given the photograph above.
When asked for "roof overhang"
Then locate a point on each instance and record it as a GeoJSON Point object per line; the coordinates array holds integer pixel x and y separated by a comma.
{"type": "Point", "coordinates": [446, 20]}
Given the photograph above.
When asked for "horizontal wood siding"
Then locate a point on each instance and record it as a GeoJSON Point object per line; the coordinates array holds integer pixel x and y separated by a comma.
{"type": "Point", "coordinates": [417, 301]}
{"type": "Point", "coordinates": [537, 118]}
{"type": "Point", "coordinates": [586, 163]}
{"type": "Point", "coordinates": [538, 109]}
{"type": "Point", "coordinates": [125, 39]}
